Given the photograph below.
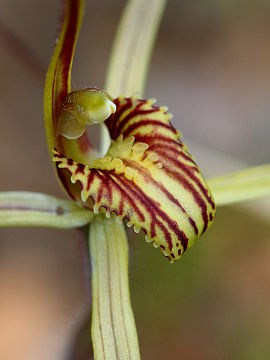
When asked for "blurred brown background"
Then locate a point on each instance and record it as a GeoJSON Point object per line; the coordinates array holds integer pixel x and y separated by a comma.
{"type": "Point", "coordinates": [211, 67]}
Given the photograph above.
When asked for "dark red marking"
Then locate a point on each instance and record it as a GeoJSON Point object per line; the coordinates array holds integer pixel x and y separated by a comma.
{"type": "Point", "coordinates": [148, 178]}
{"type": "Point", "coordinates": [193, 224]}
{"type": "Point", "coordinates": [112, 121]}
{"type": "Point", "coordinates": [80, 169]}
{"type": "Point", "coordinates": [70, 162]}
{"type": "Point", "coordinates": [157, 147]}
{"type": "Point", "coordinates": [190, 188]}
{"type": "Point", "coordinates": [90, 179]}
{"type": "Point", "coordinates": [157, 138]}
{"type": "Point", "coordinates": [135, 113]}
{"type": "Point", "coordinates": [129, 116]}
{"type": "Point", "coordinates": [103, 177]}
{"type": "Point", "coordinates": [125, 196]}
{"type": "Point", "coordinates": [142, 123]}
{"type": "Point", "coordinates": [190, 174]}
{"type": "Point", "coordinates": [154, 210]}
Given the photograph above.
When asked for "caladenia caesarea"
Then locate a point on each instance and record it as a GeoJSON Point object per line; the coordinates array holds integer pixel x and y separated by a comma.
{"type": "Point", "coordinates": [147, 177]}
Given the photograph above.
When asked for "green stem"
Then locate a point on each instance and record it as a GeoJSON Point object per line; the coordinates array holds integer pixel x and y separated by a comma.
{"type": "Point", "coordinates": [113, 327]}
{"type": "Point", "coordinates": [20, 208]}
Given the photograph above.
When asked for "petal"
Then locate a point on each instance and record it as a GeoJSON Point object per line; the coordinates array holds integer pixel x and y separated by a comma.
{"type": "Point", "coordinates": [147, 177]}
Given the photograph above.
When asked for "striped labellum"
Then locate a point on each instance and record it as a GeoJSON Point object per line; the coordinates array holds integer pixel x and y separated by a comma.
{"type": "Point", "coordinates": [147, 178]}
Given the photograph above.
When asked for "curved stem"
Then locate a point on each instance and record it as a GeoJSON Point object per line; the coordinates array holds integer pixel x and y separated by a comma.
{"type": "Point", "coordinates": [113, 327]}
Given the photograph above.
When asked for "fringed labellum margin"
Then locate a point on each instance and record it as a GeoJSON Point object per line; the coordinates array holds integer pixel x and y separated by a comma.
{"type": "Point", "coordinates": [147, 177]}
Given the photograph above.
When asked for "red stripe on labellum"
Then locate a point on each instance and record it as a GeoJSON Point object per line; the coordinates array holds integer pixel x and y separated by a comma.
{"type": "Point", "coordinates": [80, 169]}
{"type": "Point", "coordinates": [149, 179]}
{"type": "Point", "coordinates": [90, 180]}
{"type": "Point", "coordinates": [152, 140]}
{"type": "Point", "coordinates": [163, 148]}
{"type": "Point", "coordinates": [121, 123]}
{"type": "Point", "coordinates": [149, 206]}
{"type": "Point", "coordinates": [142, 123]}
{"type": "Point", "coordinates": [114, 184]}
{"type": "Point", "coordinates": [190, 174]}
{"type": "Point", "coordinates": [104, 178]}
{"type": "Point", "coordinates": [190, 188]}
{"type": "Point", "coordinates": [133, 114]}
{"type": "Point", "coordinates": [153, 209]}
{"type": "Point", "coordinates": [112, 121]}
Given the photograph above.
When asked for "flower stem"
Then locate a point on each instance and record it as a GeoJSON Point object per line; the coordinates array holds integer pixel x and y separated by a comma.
{"type": "Point", "coordinates": [113, 327]}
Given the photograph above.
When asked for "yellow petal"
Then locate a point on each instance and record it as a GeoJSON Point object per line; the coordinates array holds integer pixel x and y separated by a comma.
{"type": "Point", "coordinates": [148, 177]}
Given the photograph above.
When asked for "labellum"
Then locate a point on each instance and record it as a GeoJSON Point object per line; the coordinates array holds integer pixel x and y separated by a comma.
{"type": "Point", "coordinates": [148, 177]}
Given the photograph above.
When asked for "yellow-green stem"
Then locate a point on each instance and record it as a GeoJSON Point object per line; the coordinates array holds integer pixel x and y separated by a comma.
{"type": "Point", "coordinates": [113, 327]}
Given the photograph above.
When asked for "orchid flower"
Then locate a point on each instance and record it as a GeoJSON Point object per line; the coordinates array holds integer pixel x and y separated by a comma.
{"type": "Point", "coordinates": [145, 177]}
